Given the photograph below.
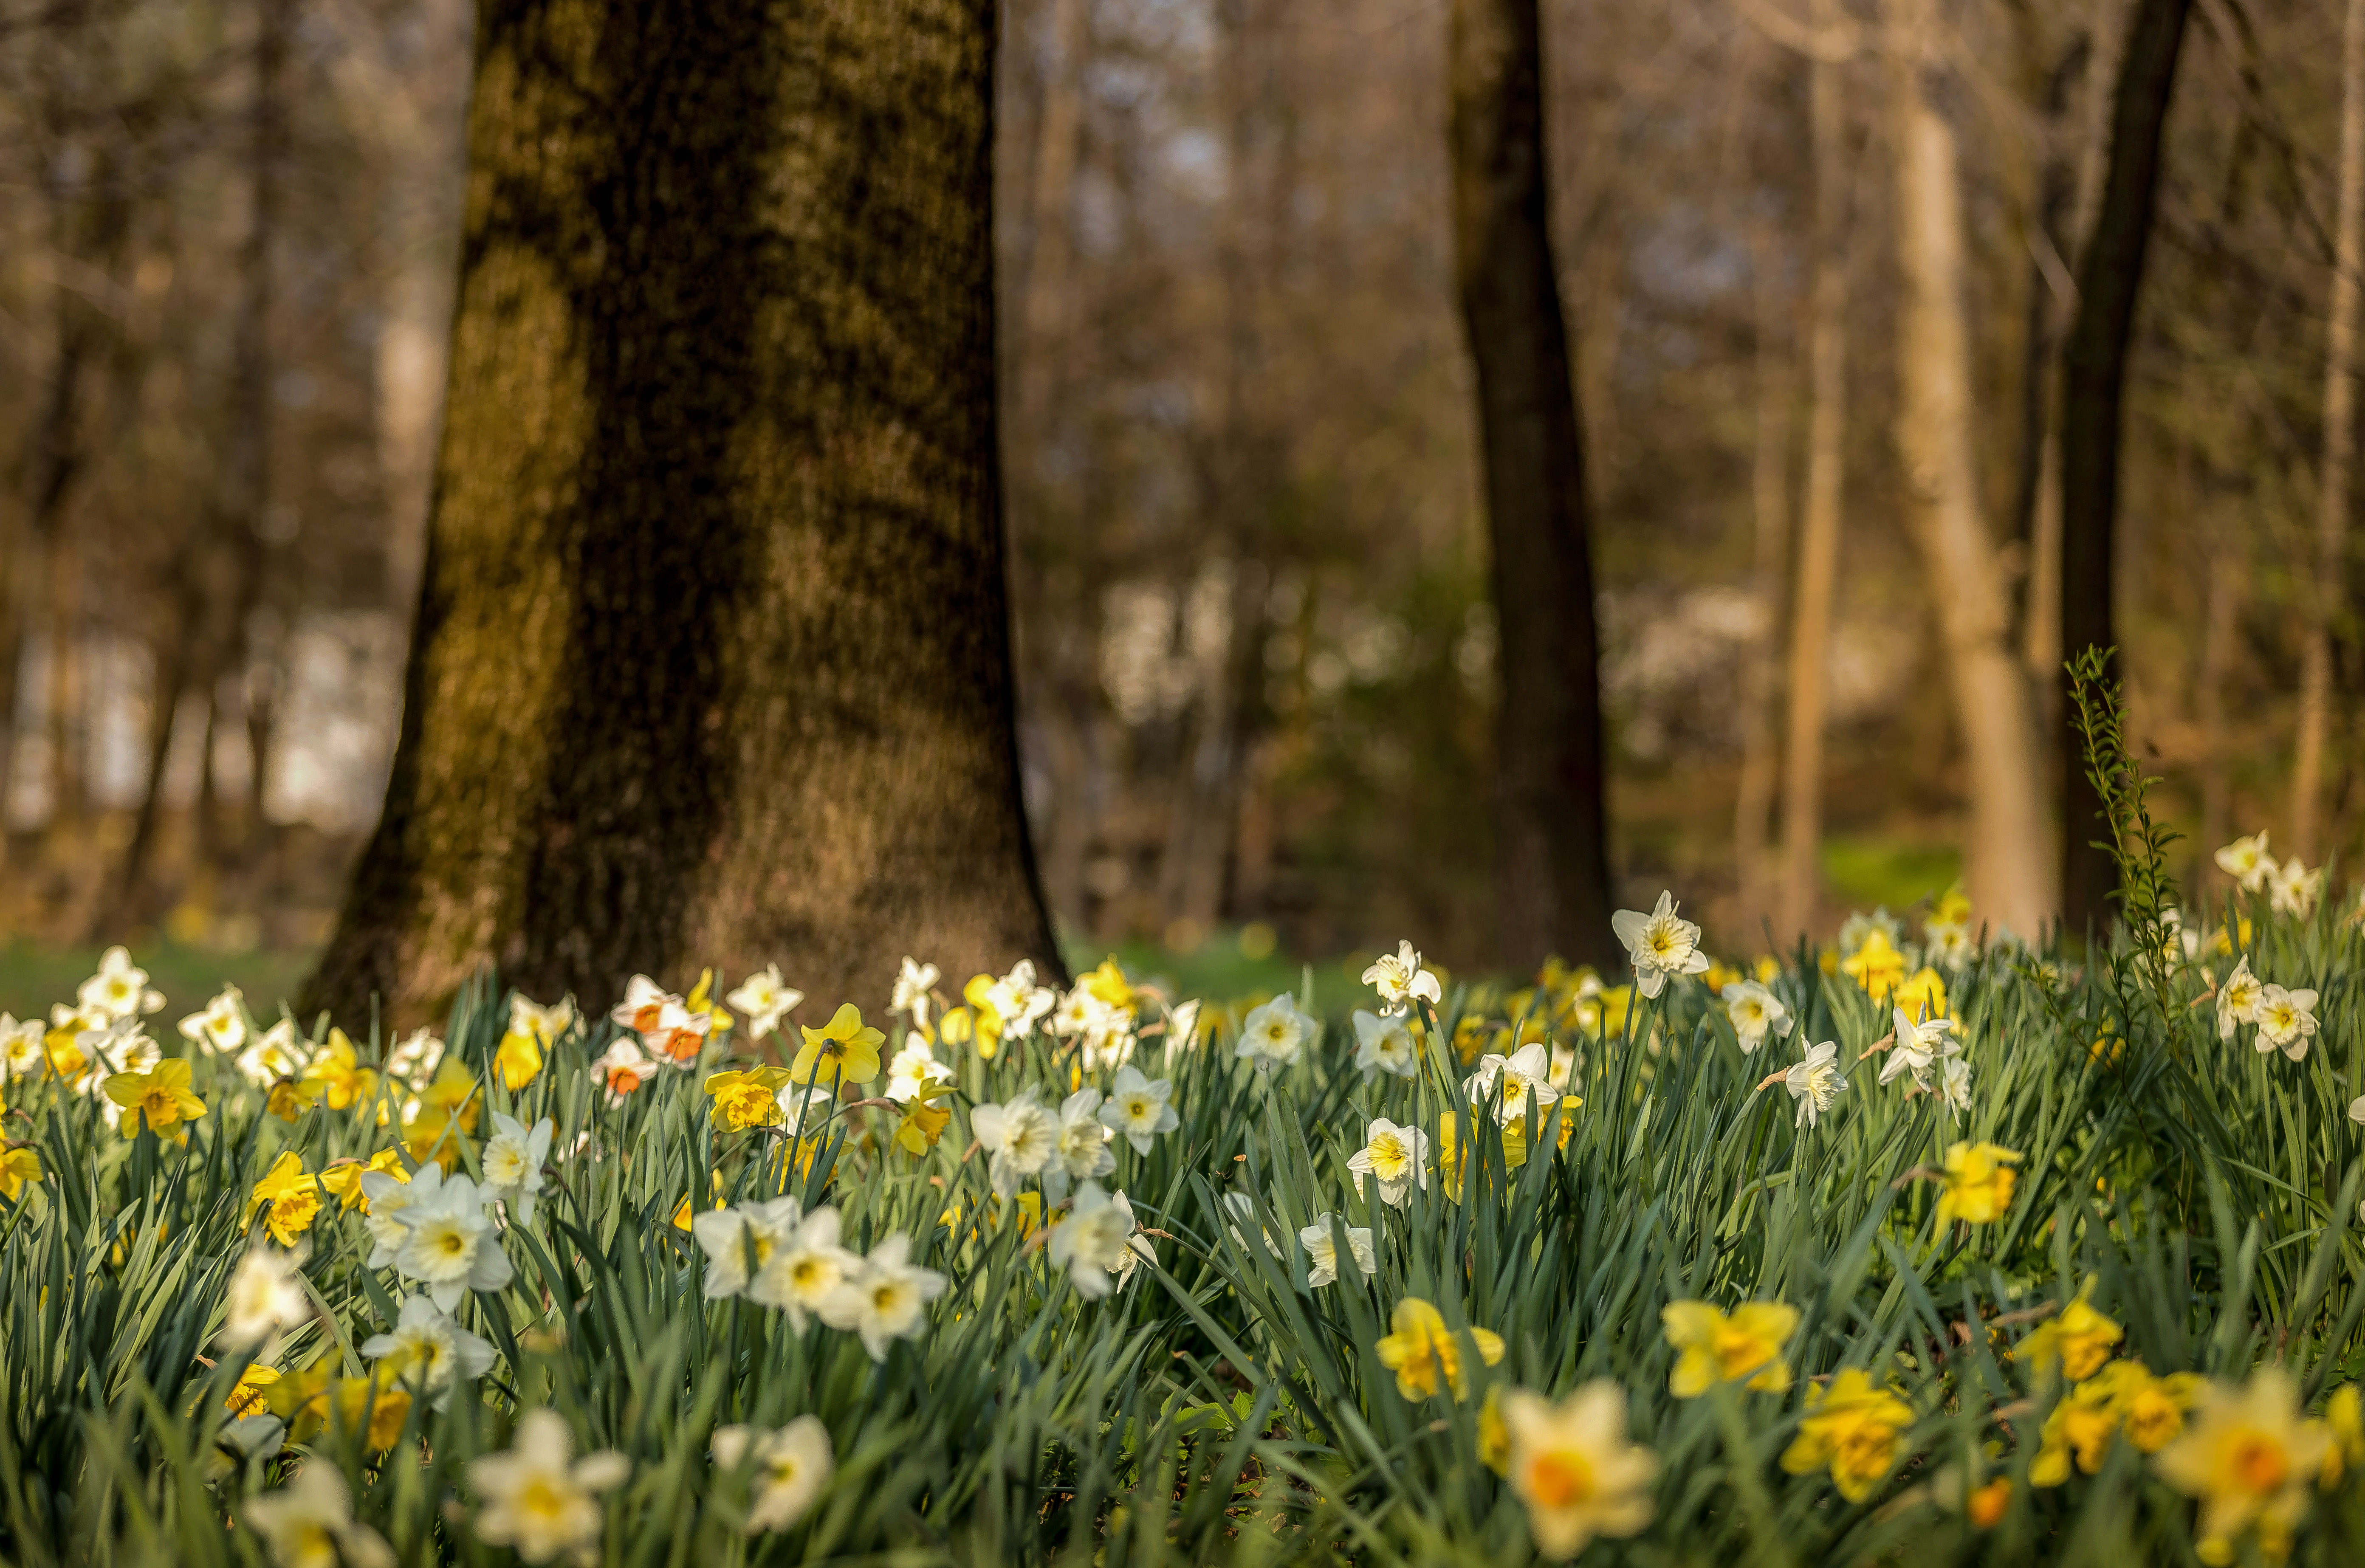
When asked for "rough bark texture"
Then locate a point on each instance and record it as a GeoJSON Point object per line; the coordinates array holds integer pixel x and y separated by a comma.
{"type": "Point", "coordinates": [2331, 564]}
{"type": "Point", "coordinates": [2004, 855]}
{"type": "Point", "coordinates": [712, 659]}
{"type": "Point", "coordinates": [2093, 373]}
{"type": "Point", "coordinates": [1555, 894]}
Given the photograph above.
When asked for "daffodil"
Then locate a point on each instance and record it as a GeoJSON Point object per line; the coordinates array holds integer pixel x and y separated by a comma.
{"type": "Point", "coordinates": [245, 1397]}
{"type": "Point", "coordinates": [914, 983]}
{"type": "Point", "coordinates": [121, 987]}
{"type": "Point", "coordinates": [1139, 1108]}
{"type": "Point", "coordinates": [2078, 1341]}
{"type": "Point", "coordinates": [624, 1066]}
{"type": "Point", "coordinates": [343, 1178]}
{"type": "Point", "coordinates": [2237, 999]}
{"type": "Point", "coordinates": [764, 999]}
{"type": "Point", "coordinates": [909, 1069]}
{"type": "Point", "coordinates": [1019, 1139]}
{"type": "Point", "coordinates": [807, 1264]}
{"type": "Point", "coordinates": [2285, 1019]}
{"type": "Point", "coordinates": [1096, 1243]}
{"type": "Point", "coordinates": [1426, 1355]}
{"type": "Point", "coordinates": [1878, 967]}
{"type": "Point", "coordinates": [2247, 861]}
{"type": "Point", "coordinates": [1573, 1467]}
{"type": "Point", "coordinates": [1273, 1034]}
{"type": "Point", "coordinates": [1242, 1207]}
{"type": "Point", "coordinates": [1396, 1157]}
{"type": "Point", "coordinates": [2123, 1396]}
{"type": "Point", "coordinates": [1977, 1183]}
{"type": "Point", "coordinates": [272, 1055]}
{"type": "Point", "coordinates": [336, 1075]}
{"type": "Point", "coordinates": [1816, 1082]}
{"type": "Point", "coordinates": [159, 1098]}
{"type": "Point", "coordinates": [1401, 980]}
{"type": "Point", "coordinates": [1383, 1044]}
{"type": "Point", "coordinates": [1713, 1347]}
{"type": "Point", "coordinates": [1754, 1012]}
{"type": "Point", "coordinates": [309, 1523]}
{"type": "Point", "coordinates": [1082, 1144]}
{"type": "Point", "coordinates": [288, 1198]}
{"type": "Point", "coordinates": [667, 1027]}
{"type": "Point", "coordinates": [885, 1299]}
{"type": "Point", "coordinates": [265, 1295]}
{"type": "Point", "coordinates": [449, 1244]}
{"type": "Point", "coordinates": [415, 1058]}
{"type": "Point", "coordinates": [1918, 1045]}
{"type": "Point", "coordinates": [385, 1195]}
{"type": "Point", "coordinates": [23, 1051]}
{"type": "Point", "coordinates": [1006, 1008]}
{"type": "Point", "coordinates": [20, 1167]}
{"type": "Point", "coordinates": [843, 1050]}
{"type": "Point", "coordinates": [1855, 1427]}
{"type": "Point", "coordinates": [738, 1242]}
{"type": "Point", "coordinates": [540, 1499]}
{"type": "Point", "coordinates": [745, 1100]}
{"type": "Point", "coordinates": [512, 1164]}
{"type": "Point", "coordinates": [1322, 1250]}
{"type": "Point", "coordinates": [790, 1468]}
{"type": "Point", "coordinates": [427, 1350]}
{"type": "Point", "coordinates": [221, 1026]}
{"type": "Point", "coordinates": [1947, 933]}
{"type": "Point", "coordinates": [2250, 1457]}
{"type": "Point", "coordinates": [1503, 1083]}
{"type": "Point", "coordinates": [1921, 995]}
{"type": "Point", "coordinates": [1659, 944]}
{"type": "Point", "coordinates": [924, 1120]}
{"type": "Point", "coordinates": [2293, 889]}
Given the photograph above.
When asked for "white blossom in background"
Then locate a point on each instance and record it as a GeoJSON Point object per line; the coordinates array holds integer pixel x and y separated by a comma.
{"type": "Point", "coordinates": [414, 1060]}
{"type": "Point", "coordinates": [2293, 889]}
{"type": "Point", "coordinates": [1019, 1136]}
{"type": "Point", "coordinates": [791, 1467]}
{"type": "Point", "coordinates": [738, 1242]}
{"type": "Point", "coordinates": [1383, 1044]}
{"type": "Point", "coordinates": [266, 1295]}
{"type": "Point", "coordinates": [1082, 1144]}
{"type": "Point", "coordinates": [1816, 1082]}
{"type": "Point", "coordinates": [764, 999]}
{"type": "Point", "coordinates": [221, 1026]}
{"type": "Point", "coordinates": [542, 1500]}
{"type": "Point", "coordinates": [308, 1523]}
{"type": "Point", "coordinates": [274, 1054]}
{"type": "Point", "coordinates": [1243, 1208]}
{"type": "Point", "coordinates": [1139, 1108]}
{"type": "Point", "coordinates": [427, 1350]}
{"type": "Point", "coordinates": [1274, 1034]}
{"type": "Point", "coordinates": [1096, 1243]}
{"type": "Point", "coordinates": [911, 1069]}
{"type": "Point", "coordinates": [120, 988]}
{"type": "Point", "coordinates": [2247, 861]}
{"type": "Point", "coordinates": [1755, 1013]}
{"type": "Point", "coordinates": [512, 1164]}
{"type": "Point", "coordinates": [1400, 980]}
{"type": "Point", "coordinates": [1322, 1250]}
{"type": "Point", "coordinates": [1660, 944]}
{"type": "Point", "coordinates": [886, 1299]}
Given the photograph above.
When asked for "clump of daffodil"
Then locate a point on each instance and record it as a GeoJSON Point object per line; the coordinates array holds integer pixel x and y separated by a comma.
{"type": "Point", "coordinates": [1426, 1355]}
{"type": "Point", "coordinates": [1921, 996]}
{"type": "Point", "coordinates": [1876, 967]}
{"type": "Point", "coordinates": [1571, 1464]}
{"type": "Point", "coordinates": [748, 1099]}
{"type": "Point", "coordinates": [2250, 1457]}
{"type": "Point", "coordinates": [289, 1199]}
{"type": "Point", "coordinates": [159, 1098]}
{"type": "Point", "coordinates": [2078, 1341]}
{"type": "Point", "coordinates": [1977, 1183]}
{"type": "Point", "coordinates": [2123, 1396]}
{"type": "Point", "coordinates": [1855, 1427]}
{"type": "Point", "coordinates": [1714, 1348]}
{"type": "Point", "coordinates": [843, 1050]}
{"type": "Point", "coordinates": [532, 1030]}
{"type": "Point", "coordinates": [310, 1401]}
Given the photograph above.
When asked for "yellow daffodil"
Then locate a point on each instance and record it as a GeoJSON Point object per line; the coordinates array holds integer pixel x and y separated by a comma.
{"type": "Point", "coordinates": [246, 1398]}
{"type": "Point", "coordinates": [2249, 1456]}
{"type": "Point", "coordinates": [338, 1075]}
{"type": "Point", "coordinates": [749, 1099]}
{"type": "Point", "coordinates": [20, 1165]}
{"type": "Point", "coordinates": [1494, 1437]}
{"type": "Point", "coordinates": [1979, 1183]}
{"type": "Point", "coordinates": [1854, 1425]}
{"type": "Point", "coordinates": [2079, 1341]}
{"type": "Point", "coordinates": [843, 1050]}
{"type": "Point", "coordinates": [1922, 997]}
{"type": "Point", "coordinates": [1878, 967]}
{"type": "Point", "coordinates": [1717, 1348]}
{"type": "Point", "coordinates": [290, 1098]}
{"type": "Point", "coordinates": [159, 1099]}
{"type": "Point", "coordinates": [344, 1179]}
{"type": "Point", "coordinates": [518, 1059]}
{"type": "Point", "coordinates": [1571, 1465]}
{"type": "Point", "coordinates": [1426, 1355]}
{"type": "Point", "coordinates": [448, 1107]}
{"type": "Point", "coordinates": [288, 1198]}
{"type": "Point", "coordinates": [1470, 1039]}
{"type": "Point", "coordinates": [67, 1058]}
{"type": "Point", "coordinates": [924, 1120]}
{"type": "Point", "coordinates": [1108, 984]}
{"type": "Point", "coordinates": [376, 1406]}
{"type": "Point", "coordinates": [2123, 1397]}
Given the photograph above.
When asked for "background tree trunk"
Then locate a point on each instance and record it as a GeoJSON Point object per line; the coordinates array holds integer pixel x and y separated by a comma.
{"type": "Point", "coordinates": [2339, 445]}
{"type": "Point", "coordinates": [2004, 855]}
{"type": "Point", "coordinates": [1769, 508]}
{"type": "Point", "coordinates": [711, 662]}
{"type": "Point", "coordinates": [2093, 376]}
{"type": "Point", "coordinates": [1555, 895]}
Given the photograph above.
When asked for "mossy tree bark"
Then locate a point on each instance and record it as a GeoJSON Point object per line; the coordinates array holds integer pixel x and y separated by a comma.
{"type": "Point", "coordinates": [1555, 893]}
{"type": "Point", "coordinates": [711, 661]}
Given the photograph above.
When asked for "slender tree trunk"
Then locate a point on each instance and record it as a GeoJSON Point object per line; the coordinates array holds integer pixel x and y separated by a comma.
{"type": "Point", "coordinates": [2005, 856]}
{"type": "Point", "coordinates": [2223, 562]}
{"type": "Point", "coordinates": [2093, 377]}
{"type": "Point", "coordinates": [711, 662]}
{"type": "Point", "coordinates": [1818, 538]}
{"type": "Point", "coordinates": [2331, 564]}
{"type": "Point", "coordinates": [1556, 874]}
{"type": "Point", "coordinates": [1769, 492]}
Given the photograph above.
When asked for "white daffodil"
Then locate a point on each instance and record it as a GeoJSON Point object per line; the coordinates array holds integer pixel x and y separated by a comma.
{"type": "Point", "coordinates": [913, 984]}
{"type": "Point", "coordinates": [912, 1068]}
{"type": "Point", "coordinates": [625, 1065]}
{"type": "Point", "coordinates": [449, 1244]}
{"type": "Point", "coordinates": [2293, 889]}
{"type": "Point", "coordinates": [1755, 1013]}
{"type": "Point", "coordinates": [221, 1027]}
{"type": "Point", "coordinates": [1400, 980]}
{"type": "Point", "coordinates": [528, 1016]}
{"type": "Point", "coordinates": [1505, 1080]}
{"type": "Point", "coordinates": [512, 1164]}
{"type": "Point", "coordinates": [1096, 1243]}
{"type": "Point", "coordinates": [1019, 1001]}
{"type": "Point", "coordinates": [2286, 1019]}
{"type": "Point", "coordinates": [806, 1265]}
{"type": "Point", "coordinates": [1139, 1108]}
{"type": "Point", "coordinates": [1243, 1208]}
{"type": "Point", "coordinates": [1917, 1046]}
{"type": "Point", "coordinates": [1955, 1086]}
{"type": "Point", "coordinates": [1083, 1144]}
{"type": "Point", "coordinates": [792, 1466]}
{"type": "Point", "coordinates": [1660, 943]}
{"type": "Point", "coordinates": [1322, 1250]}
{"type": "Point", "coordinates": [738, 1242]}
{"type": "Point", "coordinates": [274, 1054]}
{"type": "Point", "coordinates": [122, 1046]}
{"type": "Point", "coordinates": [1020, 1136]}
{"type": "Point", "coordinates": [248, 1437]}
{"type": "Point", "coordinates": [427, 1350]}
{"type": "Point", "coordinates": [308, 1523]}
{"type": "Point", "coordinates": [1182, 1029]}
{"type": "Point", "coordinates": [1272, 1036]}
{"type": "Point", "coordinates": [887, 1298]}
{"type": "Point", "coordinates": [120, 988]}
{"type": "Point", "coordinates": [389, 1198]}
{"type": "Point", "coordinates": [1396, 1157]}
{"type": "Point", "coordinates": [1383, 1044]}
{"type": "Point", "coordinates": [664, 1022]}
{"type": "Point", "coordinates": [266, 1295]}
{"type": "Point", "coordinates": [1948, 941]}
{"type": "Point", "coordinates": [1570, 1463]}
{"type": "Point", "coordinates": [2237, 999]}
{"type": "Point", "coordinates": [413, 1061]}
{"type": "Point", "coordinates": [22, 1047]}
{"type": "Point", "coordinates": [2356, 1109]}
{"type": "Point", "coordinates": [539, 1498]}
{"type": "Point", "coordinates": [764, 999]}
{"type": "Point", "coordinates": [1106, 1032]}
{"type": "Point", "coordinates": [2247, 861]}
{"type": "Point", "coordinates": [1815, 1082]}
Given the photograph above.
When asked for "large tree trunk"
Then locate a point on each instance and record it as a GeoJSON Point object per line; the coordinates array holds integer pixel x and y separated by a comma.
{"type": "Point", "coordinates": [1818, 532]}
{"type": "Point", "coordinates": [2004, 857]}
{"type": "Point", "coordinates": [711, 662]}
{"type": "Point", "coordinates": [1555, 894]}
{"type": "Point", "coordinates": [2093, 376]}
{"type": "Point", "coordinates": [2331, 564]}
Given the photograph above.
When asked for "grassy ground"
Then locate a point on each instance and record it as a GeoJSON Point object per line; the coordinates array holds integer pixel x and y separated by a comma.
{"type": "Point", "coordinates": [34, 977]}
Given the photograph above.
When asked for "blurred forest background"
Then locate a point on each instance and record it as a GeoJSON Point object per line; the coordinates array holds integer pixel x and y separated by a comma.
{"type": "Point", "coordinates": [1257, 663]}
